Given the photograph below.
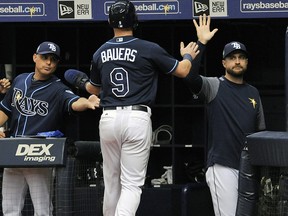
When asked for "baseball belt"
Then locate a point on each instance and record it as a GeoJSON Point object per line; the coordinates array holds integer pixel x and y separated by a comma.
{"type": "Point", "coordinates": [133, 107]}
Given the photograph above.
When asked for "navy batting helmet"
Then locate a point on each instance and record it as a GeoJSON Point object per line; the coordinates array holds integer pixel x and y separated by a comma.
{"type": "Point", "coordinates": [122, 14]}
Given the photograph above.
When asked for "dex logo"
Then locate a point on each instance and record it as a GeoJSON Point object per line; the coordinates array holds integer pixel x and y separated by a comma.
{"type": "Point", "coordinates": [35, 152]}
{"type": "Point", "coordinates": [33, 149]}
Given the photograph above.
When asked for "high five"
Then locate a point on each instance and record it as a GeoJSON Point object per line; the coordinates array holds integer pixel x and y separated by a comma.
{"type": "Point", "coordinates": [234, 110]}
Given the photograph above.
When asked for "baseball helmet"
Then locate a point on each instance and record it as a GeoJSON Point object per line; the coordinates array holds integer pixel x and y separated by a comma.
{"type": "Point", "coordinates": [122, 14]}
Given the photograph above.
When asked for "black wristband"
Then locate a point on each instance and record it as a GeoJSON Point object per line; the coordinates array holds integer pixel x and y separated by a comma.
{"type": "Point", "coordinates": [81, 82]}
{"type": "Point", "coordinates": [188, 57]}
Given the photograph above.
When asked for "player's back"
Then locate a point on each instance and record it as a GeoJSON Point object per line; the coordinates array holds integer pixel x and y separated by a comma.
{"type": "Point", "coordinates": [128, 69]}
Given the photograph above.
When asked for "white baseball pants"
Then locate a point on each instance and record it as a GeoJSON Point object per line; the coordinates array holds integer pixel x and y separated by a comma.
{"type": "Point", "coordinates": [223, 184]}
{"type": "Point", "coordinates": [15, 186]}
{"type": "Point", "coordinates": [125, 138]}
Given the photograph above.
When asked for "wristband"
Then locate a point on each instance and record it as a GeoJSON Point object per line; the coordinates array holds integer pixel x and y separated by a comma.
{"type": "Point", "coordinates": [81, 83]}
{"type": "Point", "coordinates": [188, 57]}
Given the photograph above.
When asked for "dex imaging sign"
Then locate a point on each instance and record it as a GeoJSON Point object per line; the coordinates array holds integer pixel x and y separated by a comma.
{"type": "Point", "coordinates": [32, 152]}
{"type": "Point", "coordinates": [35, 152]}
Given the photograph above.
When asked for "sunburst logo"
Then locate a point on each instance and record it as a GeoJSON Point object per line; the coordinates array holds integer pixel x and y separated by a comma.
{"type": "Point", "coordinates": [32, 11]}
{"type": "Point", "coordinates": [18, 96]}
{"type": "Point", "coordinates": [253, 102]}
{"type": "Point", "coordinates": [166, 9]}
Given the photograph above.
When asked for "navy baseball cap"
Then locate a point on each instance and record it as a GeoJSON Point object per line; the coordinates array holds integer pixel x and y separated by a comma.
{"type": "Point", "coordinates": [48, 47]}
{"type": "Point", "coordinates": [234, 46]}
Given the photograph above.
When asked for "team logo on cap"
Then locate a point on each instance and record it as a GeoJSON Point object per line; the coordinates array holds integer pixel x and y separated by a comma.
{"type": "Point", "coordinates": [52, 47]}
{"type": "Point", "coordinates": [236, 45]}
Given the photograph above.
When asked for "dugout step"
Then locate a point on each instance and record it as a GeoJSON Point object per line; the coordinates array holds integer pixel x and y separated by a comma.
{"type": "Point", "coordinates": [176, 200]}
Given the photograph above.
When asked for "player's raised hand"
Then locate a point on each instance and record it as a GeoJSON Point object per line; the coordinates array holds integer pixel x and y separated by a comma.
{"type": "Point", "coordinates": [191, 49]}
{"type": "Point", "coordinates": [5, 84]}
{"type": "Point", "coordinates": [203, 29]}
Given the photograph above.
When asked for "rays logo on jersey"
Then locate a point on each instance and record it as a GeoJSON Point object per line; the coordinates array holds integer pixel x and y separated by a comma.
{"type": "Point", "coordinates": [28, 106]}
{"type": "Point", "coordinates": [210, 7]}
{"type": "Point", "coordinates": [76, 9]}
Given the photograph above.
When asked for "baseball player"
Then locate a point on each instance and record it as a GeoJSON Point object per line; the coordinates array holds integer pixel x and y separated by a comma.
{"type": "Point", "coordinates": [36, 102]}
{"type": "Point", "coordinates": [234, 110]}
{"type": "Point", "coordinates": [124, 73]}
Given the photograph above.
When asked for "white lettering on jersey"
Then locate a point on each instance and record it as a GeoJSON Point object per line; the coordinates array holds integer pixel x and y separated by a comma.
{"type": "Point", "coordinates": [122, 54]}
{"type": "Point", "coordinates": [28, 106]}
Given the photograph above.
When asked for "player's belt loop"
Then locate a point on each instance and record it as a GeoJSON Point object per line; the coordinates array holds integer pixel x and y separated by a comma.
{"type": "Point", "coordinates": [133, 107]}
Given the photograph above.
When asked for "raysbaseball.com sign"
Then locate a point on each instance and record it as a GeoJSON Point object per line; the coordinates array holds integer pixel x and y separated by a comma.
{"type": "Point", "coordinates": [89, 10]}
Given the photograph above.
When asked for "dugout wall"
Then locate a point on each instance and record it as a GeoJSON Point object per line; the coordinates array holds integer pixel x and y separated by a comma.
{"type": "Point", "coordinates": [175, 106]}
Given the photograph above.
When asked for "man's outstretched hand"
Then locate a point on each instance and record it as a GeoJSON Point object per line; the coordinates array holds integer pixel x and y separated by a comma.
{"type": "Point", "coordinates": [203, 29]}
